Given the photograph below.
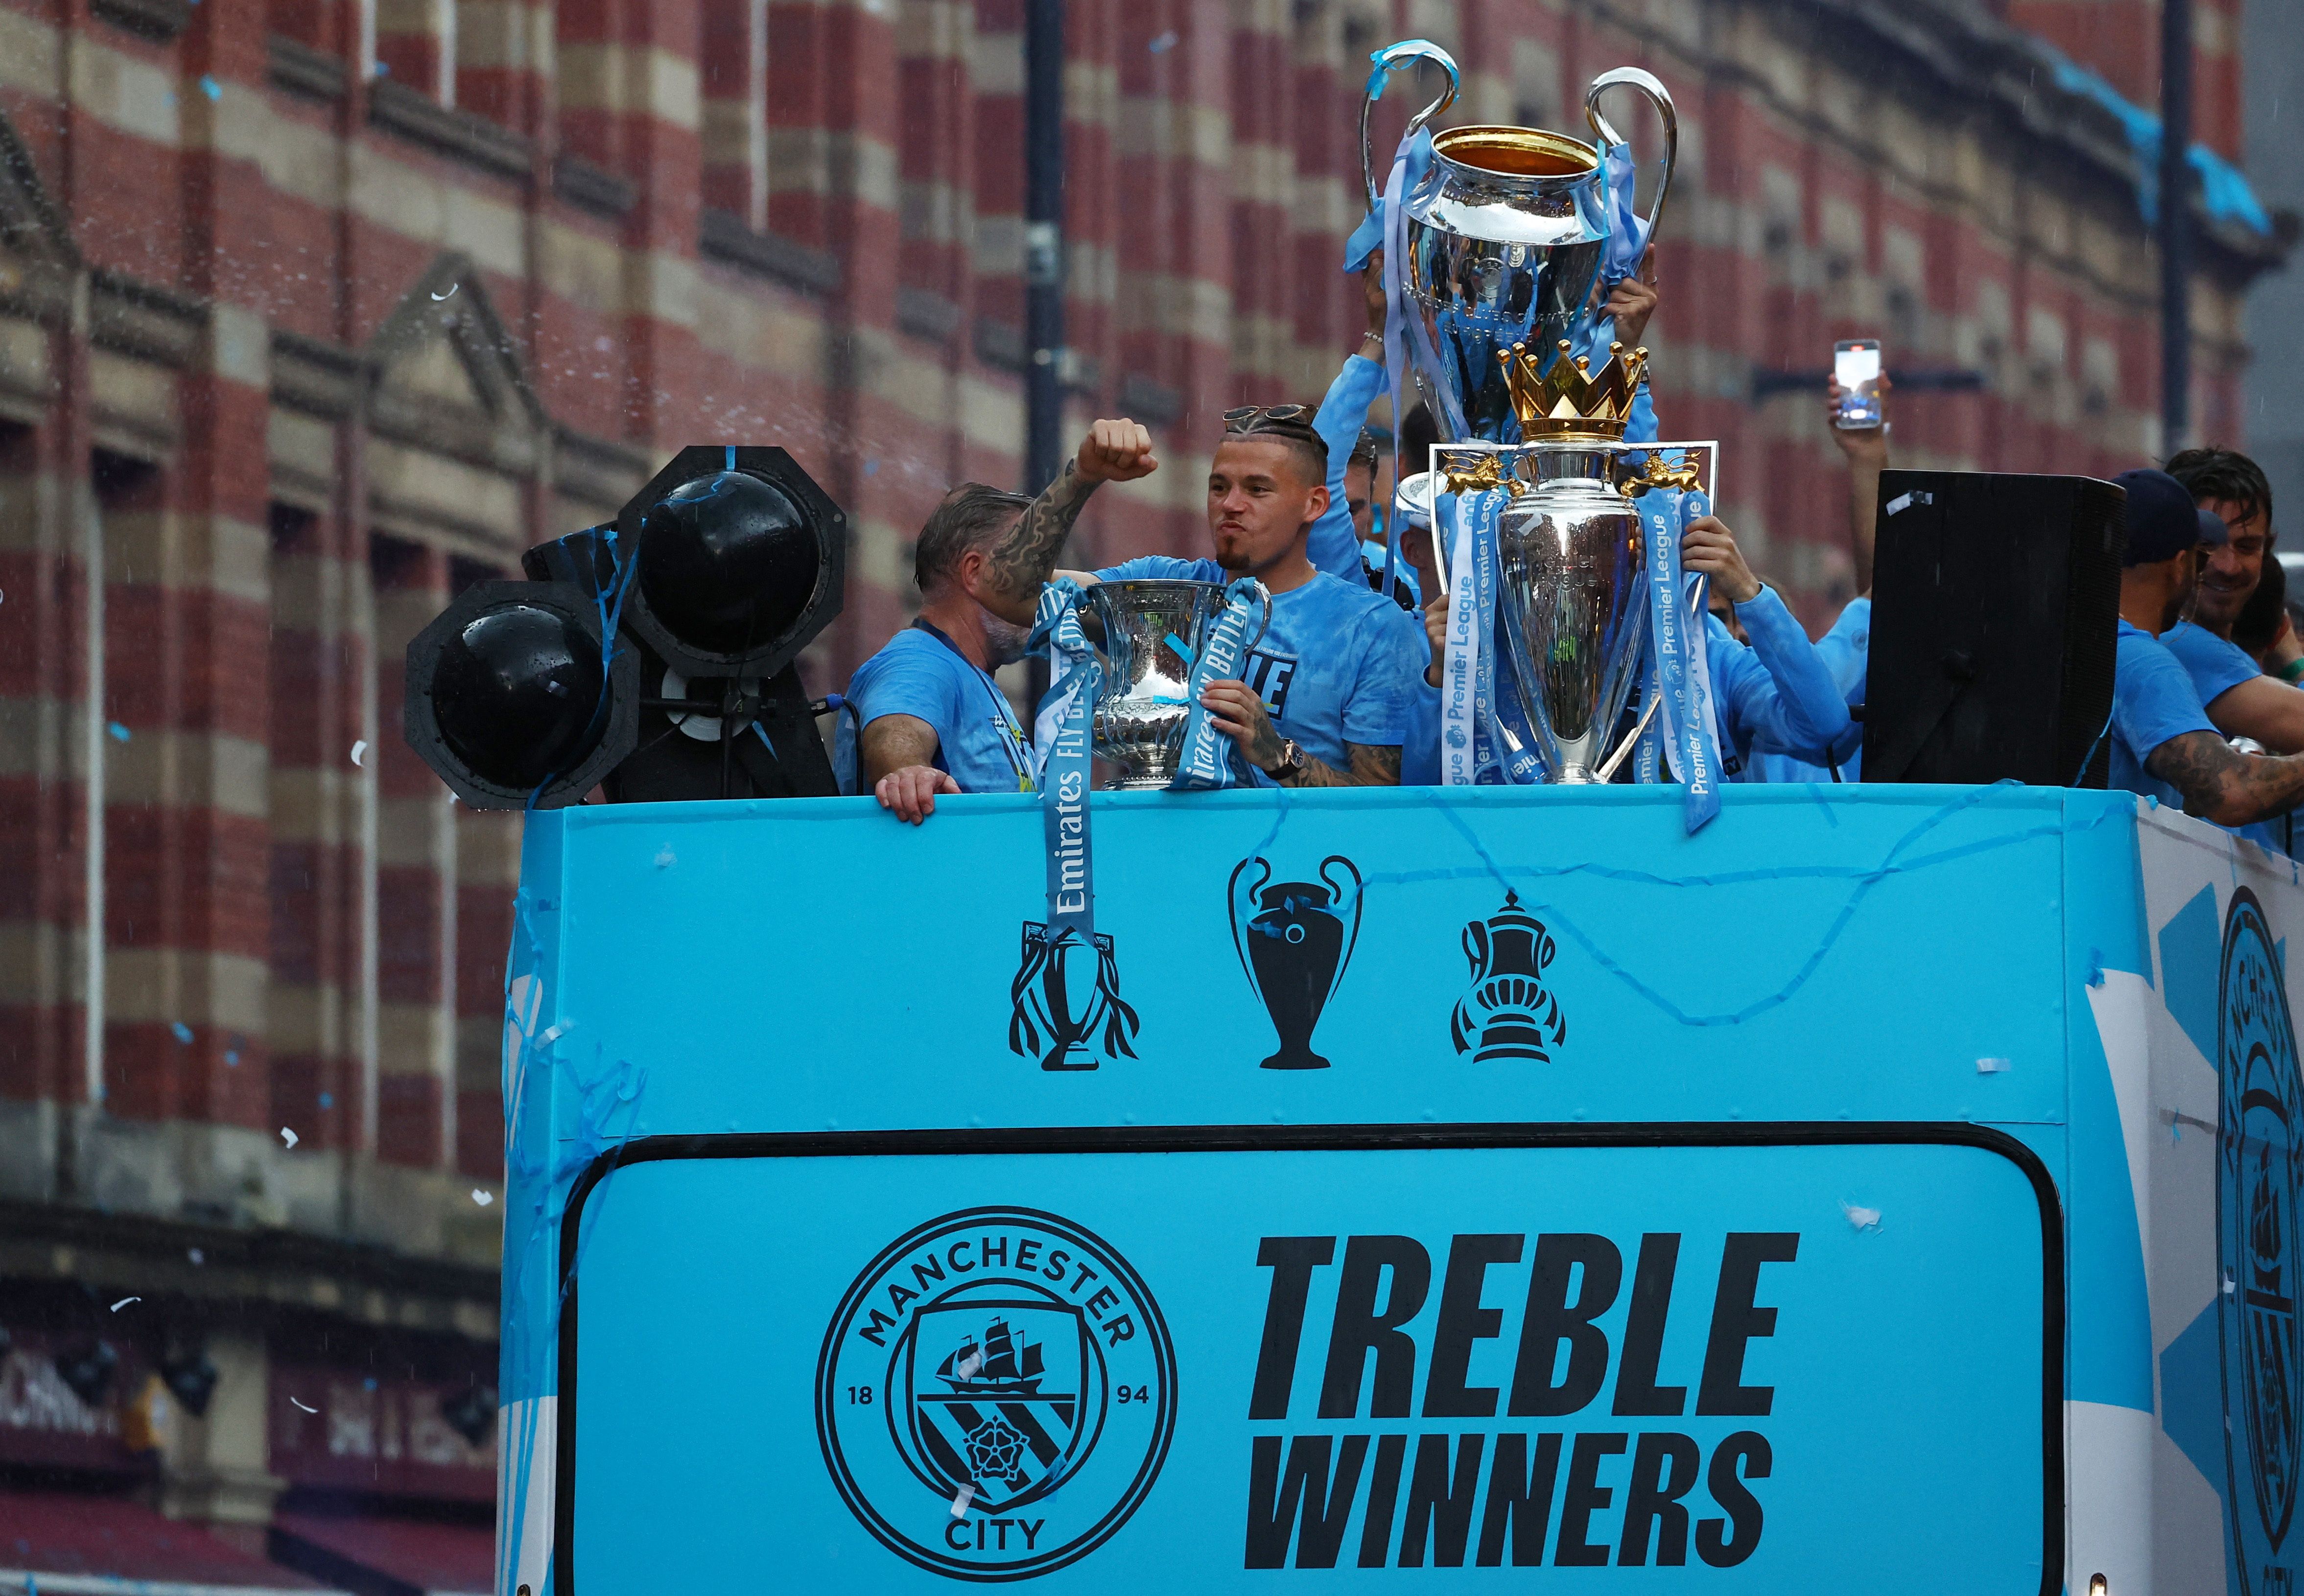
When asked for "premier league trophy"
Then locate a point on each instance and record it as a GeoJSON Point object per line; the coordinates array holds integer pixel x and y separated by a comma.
{"type": "Point", "coordinates": [1153, 633]}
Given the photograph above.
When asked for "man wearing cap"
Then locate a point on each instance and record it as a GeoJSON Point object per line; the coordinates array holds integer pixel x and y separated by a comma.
{"type": "Point", "coordinates": [1322, 697]}
{"type": "Point", "coordinates": [2163, 744]}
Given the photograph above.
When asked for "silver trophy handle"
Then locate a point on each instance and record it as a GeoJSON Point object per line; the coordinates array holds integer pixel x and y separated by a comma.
{"type": "Point", "coordinates": [1631, 77]}
{"type": "Point", "coordinates": [1264, 593]}
{"type": "Point", "coordinates": [1408, 51]}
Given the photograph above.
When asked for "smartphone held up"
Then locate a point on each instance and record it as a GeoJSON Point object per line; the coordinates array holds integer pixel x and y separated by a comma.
{"type": "Point", "coordinates": [1856, 368]}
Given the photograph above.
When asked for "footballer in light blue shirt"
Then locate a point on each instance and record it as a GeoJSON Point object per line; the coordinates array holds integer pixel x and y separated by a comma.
{"type": "Point", "coordinates": [2164, 745]}
{"type": "Point", "coordinates": [1322, 698]}
{"type": "Point", "coordinates": [924, 716]}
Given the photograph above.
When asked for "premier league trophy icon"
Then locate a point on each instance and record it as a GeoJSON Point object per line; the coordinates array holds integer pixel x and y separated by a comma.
{"type": "Point", "coordinates": [1153, 632]}
{"type": "Point", "coordinates": [1507, 1013]}
{"type": "Point", "coordinates": [1295, 938]}
{"type": "Point", "coordinates": [1067, 1004]}
{"type": "Point", "coordinates": [1507, 235]}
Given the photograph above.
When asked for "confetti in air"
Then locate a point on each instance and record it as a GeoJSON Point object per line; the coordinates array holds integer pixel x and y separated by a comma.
{"type": "Point", "coordinates": [307, 1406]}
{"type": "Point", "coordinates": [182, 1032]}
{"type": "Point", "coordinates": [482, 1198]}
{"type": "Point", "coordinates": [119, 732]}
{"type": "Point", "coordinates": [1861, 1218]}
{"type": "Point", "coordinates": [959, 1502]}
{"type": "Point", "coordinates": [450, 294]}
{"type": "Point", "coordinates": [360, 751]}
{"type": "Point", "coordinates": [1991, 1066]}
{"type": "Point", "coordinates": [211, 89]}
{"type": "Point", "coordinates": [197, 1256]}
{"type": "Point", "coordinates": [287, 1136]}
{"type": "Point", "coordinates": [1165, 43]}
{"type": "Point", "coordinates": [124, 1302]}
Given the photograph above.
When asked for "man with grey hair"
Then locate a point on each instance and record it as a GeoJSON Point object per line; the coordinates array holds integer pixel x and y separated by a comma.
{"type": "Point", "coordinates": [924, 715]}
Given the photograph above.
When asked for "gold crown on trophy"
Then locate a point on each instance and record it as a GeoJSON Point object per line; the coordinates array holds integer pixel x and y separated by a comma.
{"type": "Point", "coordinates": [1572, 400]}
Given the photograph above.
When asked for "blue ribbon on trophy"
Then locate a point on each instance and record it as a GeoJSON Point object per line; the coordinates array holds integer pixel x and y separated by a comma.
{"type": "Point", "coordinates": [1682, 680]}
{"type": "Point", "coordinates": [1206, 762]}
{"type": "Point", "coordinates": [1061, 730]}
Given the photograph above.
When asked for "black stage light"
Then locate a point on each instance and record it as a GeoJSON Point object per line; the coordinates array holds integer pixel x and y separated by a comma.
{"type": "Point", "coordinates": [741, 559]}
{"type": "Point", "coordinates": [508, 699]}
{"type": "Point", "coordinates": [472, 1414]}
{"type": "Point", "coordinates": [89, 1370]}
{"type": "Point", "coordinates": [191, 1379]}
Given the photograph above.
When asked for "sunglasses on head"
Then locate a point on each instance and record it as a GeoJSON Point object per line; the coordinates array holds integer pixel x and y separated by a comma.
{"type": "Point", "coordinates": [1256, 418]}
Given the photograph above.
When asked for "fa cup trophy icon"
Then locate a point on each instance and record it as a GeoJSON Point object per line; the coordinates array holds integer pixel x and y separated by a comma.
{"type": "Point", "coordinates": [1508, 1013]}
{"type": "Point", "coordinates": [1294, 939]}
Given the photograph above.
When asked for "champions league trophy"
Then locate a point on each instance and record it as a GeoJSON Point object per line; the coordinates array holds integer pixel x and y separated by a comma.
{"type": "Point", "coordinates": [1154, 633]}
{"type": "Point", "coordinates": [1506, 234]}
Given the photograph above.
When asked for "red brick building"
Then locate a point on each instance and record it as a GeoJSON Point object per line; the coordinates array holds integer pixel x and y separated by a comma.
{"type": "Point", "coordinates": [312, 312]}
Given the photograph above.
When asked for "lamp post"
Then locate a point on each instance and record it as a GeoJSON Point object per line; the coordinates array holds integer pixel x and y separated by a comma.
{"type": "Point", "coordinates": [1044, 241]}
{"type": "Point", "coordinates": [2175, 223]}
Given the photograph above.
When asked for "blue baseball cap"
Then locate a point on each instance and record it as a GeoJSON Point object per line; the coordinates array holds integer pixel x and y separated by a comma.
{"type": "Point", "coordinates": [2163, 521]}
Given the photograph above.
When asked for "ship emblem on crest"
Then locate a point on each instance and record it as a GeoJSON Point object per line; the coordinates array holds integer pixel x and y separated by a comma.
{"type": "Point", "coordinates": [1507, 1013]}
{"type": "Point", "coordinates": [2259, 1251]}
{"type": "Point", "coordinates": [990, 1427]}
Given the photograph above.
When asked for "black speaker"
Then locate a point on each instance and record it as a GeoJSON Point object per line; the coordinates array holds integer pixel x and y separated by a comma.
{"type": "Point", "coordinates": [1994, 602]}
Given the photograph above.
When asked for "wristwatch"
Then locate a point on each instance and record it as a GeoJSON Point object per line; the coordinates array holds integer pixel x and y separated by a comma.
{"type": "Point", "coordinates": [1292, 760]}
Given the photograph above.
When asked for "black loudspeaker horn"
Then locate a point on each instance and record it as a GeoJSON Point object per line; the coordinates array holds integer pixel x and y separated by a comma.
{"type": "Point", "coordinates": [741, 559]}
{"type": "Point", "coordinates": [514, 699]}
{"type": "Point", "coordinates": [1994, 606]}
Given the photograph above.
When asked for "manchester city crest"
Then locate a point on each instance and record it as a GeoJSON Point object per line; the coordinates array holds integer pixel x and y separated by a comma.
{"type": "Point", "coordinates": [2258, 1249]}
{"type": "Point", "coordinates": [995, 1393]}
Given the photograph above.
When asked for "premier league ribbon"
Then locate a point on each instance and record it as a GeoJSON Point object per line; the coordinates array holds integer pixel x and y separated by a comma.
{"type": "Point", "coordinates": [1061, 728]}
{"type": "Point", "coordinates": [1682, 676]}
{"type": "Point", "coordinates": [1207, 762]}
{"type": "Point", "coordinates": [1461, 658]}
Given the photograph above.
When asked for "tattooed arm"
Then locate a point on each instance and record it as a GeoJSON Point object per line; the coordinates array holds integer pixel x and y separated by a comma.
{"type": "Point", "coordinates": [1026, 554]}
{"type": "Point", "coordinates": [2231, 789]}
{"type": "Point", "coordinates": [1240, 714]}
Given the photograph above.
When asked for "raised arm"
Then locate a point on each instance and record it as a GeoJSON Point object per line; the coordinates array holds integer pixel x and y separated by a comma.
{"type": "Point", "coordinates": [1867, 449]}
{"type": "Point", "coordinates": [1026, 555]}
{"type": "Point", "coordinates": [2231, 789]}
{"type": "Point", "coordinates": [1794, 707]}
{"type": "Point", "coordinates": [1334, 546]}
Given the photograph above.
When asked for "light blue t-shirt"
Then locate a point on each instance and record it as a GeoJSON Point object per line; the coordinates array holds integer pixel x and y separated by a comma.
{"type": "Point", "coordinates": [1775, 696]}
{"type": "Point", "coordinates": [1336, 665]}
{"type": "Point", "coordinates": [2217, 666]}
{"type": "Point", "coordinates": [979, 741]}
{"type": "Point", "coordinates": [2153, 700]}
{"type": "Point", "coordinates": [1846, 651]}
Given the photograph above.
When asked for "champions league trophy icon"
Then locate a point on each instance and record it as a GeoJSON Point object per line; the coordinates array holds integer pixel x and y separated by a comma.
{"type": "Point", "coordinates": [1063, 998]}
{"type": "Point", "coordinates": [1295, 938]}
{"type": "Point", "coordinates": [1507, 1013]}
{"type": "Point", "coordinates": [1154, 631]}
{"type": "Point", "coordinates": [1506, 236]}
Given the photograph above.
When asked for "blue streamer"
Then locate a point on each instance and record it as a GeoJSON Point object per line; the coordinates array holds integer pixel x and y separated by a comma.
{"type": "Point", "coordinates": [1686, 705]}
{"type": "Point", "coordinates": [1207, 762]}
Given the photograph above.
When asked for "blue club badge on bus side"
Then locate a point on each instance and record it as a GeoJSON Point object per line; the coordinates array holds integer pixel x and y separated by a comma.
{"type": "Point", "coordinates": [997, 1393]}
{"type": "Point", "coordinates": [2260, 1253]}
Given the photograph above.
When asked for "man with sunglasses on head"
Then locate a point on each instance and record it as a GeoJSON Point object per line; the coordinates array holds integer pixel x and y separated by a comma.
{"type": "Point", "coordinates": [1322, 699]}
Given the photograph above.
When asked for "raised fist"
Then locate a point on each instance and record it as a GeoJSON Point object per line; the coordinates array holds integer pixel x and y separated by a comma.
{"type": "Point", "coordinates": [1115, 452]}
